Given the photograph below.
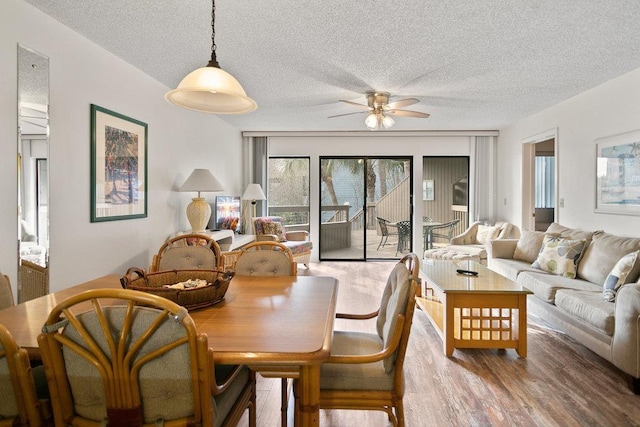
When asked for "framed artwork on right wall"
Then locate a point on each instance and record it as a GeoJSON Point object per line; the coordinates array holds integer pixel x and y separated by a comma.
{"type": "Point", "coordinates": [618, 174]}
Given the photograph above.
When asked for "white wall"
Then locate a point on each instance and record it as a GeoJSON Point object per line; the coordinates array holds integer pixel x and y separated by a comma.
{"type": "Point", "coordinates": [609, 109]}
{"type": "Point", "coordinates": [82, 73]}
{"type": "Point", "coordinates": [375, 145]}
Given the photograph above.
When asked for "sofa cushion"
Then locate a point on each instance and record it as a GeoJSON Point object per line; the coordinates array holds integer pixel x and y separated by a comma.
{"type": "Point", "coordinates": [528, 246]}
{"type": "Point", "coordinates": [486, 232]}
{"type": "Point", "coordinates": [544, 285]}
{"type": "Point", "coordinates": [510, 268]}
{"type": "Point", "coordinates": [276, 229]}
{"type": "Point", "coordinates": [619, 275]}
{"type": "Point", "coordinates": [569, 233]}
{"type": "Point", "coordinates": [559, 256]}
{"type": "Point", "coordinates": [505, 230]}
{"type": "Point", "coordinates": [589, 307]}
{"type": "Point", "coordinates": [602, 255]}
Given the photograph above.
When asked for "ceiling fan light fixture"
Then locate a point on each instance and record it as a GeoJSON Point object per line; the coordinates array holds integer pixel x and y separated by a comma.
{"type": "Point", "coordinates": [210, 89]}
{"type": "Point", "coordinates": [371, 121]}
{"type": "Point", "coordinates": [387, 121]}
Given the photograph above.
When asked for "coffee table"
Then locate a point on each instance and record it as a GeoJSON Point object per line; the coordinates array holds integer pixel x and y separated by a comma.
{"type": "Point", "coordinates": [483, 311]}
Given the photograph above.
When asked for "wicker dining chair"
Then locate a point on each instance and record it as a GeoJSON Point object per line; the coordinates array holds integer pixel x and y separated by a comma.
{"type": "Point", "coordinates": [366, 370]}
{"type": "Point", "coordinates": [19, 404]}
{"type": "Point", "coordinates": [130, 358]}
{"type": "Point", "coordinates": [267, 258]}
{"type": "Point", "coordinates": [187, 252]}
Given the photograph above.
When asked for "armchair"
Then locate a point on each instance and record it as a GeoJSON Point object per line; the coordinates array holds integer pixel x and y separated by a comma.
{"type": "Point", "coordinates": [365, 370]}
{"type": "Point", "coordinates": [270, 228]}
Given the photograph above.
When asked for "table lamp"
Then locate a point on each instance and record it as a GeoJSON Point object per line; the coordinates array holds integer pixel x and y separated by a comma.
{"type": "Point", "coordinates": [199, 211]}
{"type": "Point", "coordinates": [253, 192]}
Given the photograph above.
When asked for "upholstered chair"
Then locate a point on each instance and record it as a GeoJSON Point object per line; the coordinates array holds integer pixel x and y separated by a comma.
{"type": "Point", "coordinates": [265, 259]}
{"type": "Point", "coordinates": [270, 228]}
{"type": "Point", "coordinates": [129, 358]}
{"type": "Point", "coordinates": [365, 370]}
{"type": "Point", "coordinates": [187, 252]}
{"type": "Point", "coordinates": [19, 404]}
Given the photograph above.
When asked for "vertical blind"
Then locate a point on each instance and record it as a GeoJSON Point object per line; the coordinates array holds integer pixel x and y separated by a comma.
{"type": "Point", "coordinates": [545, 194]}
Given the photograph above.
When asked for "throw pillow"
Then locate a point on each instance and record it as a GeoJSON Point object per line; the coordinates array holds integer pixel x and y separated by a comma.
{"type": "Point", "coordinates": [486, 233]}
{"type": "Point", "coordinates": [559, 256]}
{"type": "Point", "coordinates": [528, 246]}
{"type": "Point", "coordinates": [274, 228]}
{"type": "Point", "coordinates": [618, 275]}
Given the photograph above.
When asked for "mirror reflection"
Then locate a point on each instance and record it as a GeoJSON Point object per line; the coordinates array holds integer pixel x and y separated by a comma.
{"type": "Point", "coordinates": [33, 174]}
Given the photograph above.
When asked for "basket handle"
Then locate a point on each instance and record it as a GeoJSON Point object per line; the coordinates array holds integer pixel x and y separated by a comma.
{"type": "Point", "coordinates": [140, 272]}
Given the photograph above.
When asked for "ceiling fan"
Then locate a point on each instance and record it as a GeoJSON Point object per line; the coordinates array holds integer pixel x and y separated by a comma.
{"type": "Point", "coordinates": [379, 110]}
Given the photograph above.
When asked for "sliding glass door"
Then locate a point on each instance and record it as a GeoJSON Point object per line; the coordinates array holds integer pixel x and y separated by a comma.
{"type": "Point", "coordinates": [365, 207]}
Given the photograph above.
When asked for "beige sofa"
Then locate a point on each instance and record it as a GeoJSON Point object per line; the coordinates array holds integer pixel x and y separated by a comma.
{"type": "Point", "coordinates": [471, 243]}
{"type": "Point", "coordinates": [577, 305]}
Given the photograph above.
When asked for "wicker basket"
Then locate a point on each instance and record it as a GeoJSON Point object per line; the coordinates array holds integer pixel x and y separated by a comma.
{"type": "Point", "coordinates": [191, 299]}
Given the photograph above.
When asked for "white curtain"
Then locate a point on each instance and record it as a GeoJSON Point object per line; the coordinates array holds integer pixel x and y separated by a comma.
{"type": "Point", "coordinates": [484, 201]}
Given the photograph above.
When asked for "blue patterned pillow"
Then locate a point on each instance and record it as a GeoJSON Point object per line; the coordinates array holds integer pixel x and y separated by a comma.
{"type": "Point", "coordinates": [559, 256]}
{"type": "Point", "coordinates": [618, 276]}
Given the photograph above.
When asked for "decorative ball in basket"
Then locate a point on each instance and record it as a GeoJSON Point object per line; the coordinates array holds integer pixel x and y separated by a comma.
{"type": "Point", "coordinates": [191, 289]}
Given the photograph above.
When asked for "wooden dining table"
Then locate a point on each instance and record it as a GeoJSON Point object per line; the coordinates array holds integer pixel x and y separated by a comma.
{"type": "Point", "coordinates": [278, 326]}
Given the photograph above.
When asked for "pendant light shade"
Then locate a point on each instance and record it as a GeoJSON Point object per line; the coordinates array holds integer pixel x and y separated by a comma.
{"type": "Point", "coordinates": [210, 89]}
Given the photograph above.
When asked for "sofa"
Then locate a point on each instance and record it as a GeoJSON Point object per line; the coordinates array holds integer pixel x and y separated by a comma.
{"type": "Point", "coordinates": [472, 243]}
{"type": "Point", "coordinates": [584, 283]}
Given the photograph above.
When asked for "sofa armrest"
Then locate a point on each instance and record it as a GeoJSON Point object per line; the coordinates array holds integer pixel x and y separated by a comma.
{"type": "Point", "coordinates": [501, 248]}
{"type": "Point", "coordinates": [297, 236]}
{"type": "Point", "coordinates": [468, 237]}
{"type": "Point", "coordinates": [625, 348]}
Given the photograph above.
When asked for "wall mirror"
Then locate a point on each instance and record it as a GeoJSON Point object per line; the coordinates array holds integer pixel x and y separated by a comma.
{"type": "Point", "coordinates": [33, 174]}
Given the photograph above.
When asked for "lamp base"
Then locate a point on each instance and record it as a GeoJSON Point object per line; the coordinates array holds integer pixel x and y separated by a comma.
{"type": "Point", "coordinates": [198, 214]}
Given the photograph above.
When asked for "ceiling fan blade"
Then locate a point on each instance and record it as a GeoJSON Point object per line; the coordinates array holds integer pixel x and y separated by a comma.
{"type": "Point", "coordinates": [401, 103]}
{"type": "Point", "coordinates": [347, 114]}
{"type": "Point", "coordinates": [407, 113]}
{"type": "Point", "coordinates": [356, 104]}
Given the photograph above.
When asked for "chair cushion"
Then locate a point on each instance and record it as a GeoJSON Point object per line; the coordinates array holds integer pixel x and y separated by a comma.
{"type": "Point", "coordinates": [486, 232]}
{"type": "Point", "coordinates": [298, 247]}
{"type": "Point", "coordinates": [223, 402]}
{"type": "Point", "coordinates": [8, 403]}
{"type": "Point", "coordinates": [264, 263]}
{"type": "Point", "coordinates": [270, 225]}
{"type": "Point", "coordinates": [165, 382]}
{"type": "Point", "coordinates": [6, 294]}
{"type": "Point", "coordinates": [355, 376]}
{"type": "Point", "coordinates": [393, 303]}
{"type": "Point", "coordinates": [188, 258]}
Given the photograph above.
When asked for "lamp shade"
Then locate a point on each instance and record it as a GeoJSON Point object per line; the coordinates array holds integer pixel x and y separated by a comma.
{"type": "Point", "coordinates": [201, 180]}
{"type": "Point", "coordinates": [254, 192]}
{"type": "Point", "coordinates": [211, 90]}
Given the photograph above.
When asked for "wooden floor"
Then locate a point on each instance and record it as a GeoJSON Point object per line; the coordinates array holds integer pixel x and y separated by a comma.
{"type": "Point", "coordinates": [560, 383]}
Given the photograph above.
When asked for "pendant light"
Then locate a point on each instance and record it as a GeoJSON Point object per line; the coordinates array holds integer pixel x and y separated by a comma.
{"type": "Point", "coordinates": [210, 89]}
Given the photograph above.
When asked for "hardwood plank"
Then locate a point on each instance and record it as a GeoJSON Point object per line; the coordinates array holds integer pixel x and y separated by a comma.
{"type": "Point", "coordinates": [560, 383]}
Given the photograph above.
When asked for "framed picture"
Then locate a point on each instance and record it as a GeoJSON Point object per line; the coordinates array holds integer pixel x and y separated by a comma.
{"type": "Point", "coordinates": [618, 174]}
{"type": "Point", "coordinates": [118, 166]}
{"type": "Point", "coordinates": [427, 190]}
{"type": "Point", "coordinates": [227, 212]}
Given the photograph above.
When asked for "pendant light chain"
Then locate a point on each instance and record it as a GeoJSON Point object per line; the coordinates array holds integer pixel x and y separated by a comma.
{"type": "Point", "coordinates": [214, 60]}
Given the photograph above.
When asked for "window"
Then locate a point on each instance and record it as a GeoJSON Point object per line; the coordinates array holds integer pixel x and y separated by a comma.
{"type": "Point", "coordinates": [545, 193]}
{"type": "Point", "coordinates": [288, 191]}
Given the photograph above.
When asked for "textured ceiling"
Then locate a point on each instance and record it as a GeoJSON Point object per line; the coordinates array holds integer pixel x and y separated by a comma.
{"type": "Point", "coordinates": [473, 64]}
